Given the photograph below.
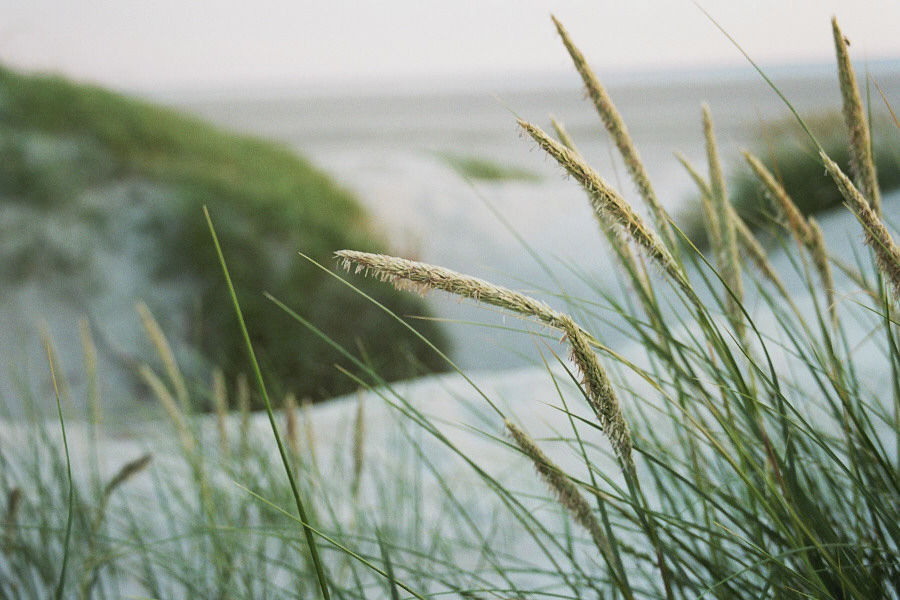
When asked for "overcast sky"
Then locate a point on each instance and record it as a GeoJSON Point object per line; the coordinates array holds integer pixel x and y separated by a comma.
{"type": "Point", "coordinates": [163, 45]}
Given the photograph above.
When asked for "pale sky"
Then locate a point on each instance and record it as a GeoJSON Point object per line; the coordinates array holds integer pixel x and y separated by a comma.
{"type": "Point", "coordinates": [163, 45]}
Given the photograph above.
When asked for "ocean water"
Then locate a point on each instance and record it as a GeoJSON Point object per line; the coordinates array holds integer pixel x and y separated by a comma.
{"type": "Point", "coordinates": [384, 145]}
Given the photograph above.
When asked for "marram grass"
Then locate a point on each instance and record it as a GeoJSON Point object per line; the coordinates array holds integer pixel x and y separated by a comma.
{"type": "Point", "coordinates": [862, 162]}
{"type": "Point", "coordinates": [420, 277]}
{"type": "Point", "coordinates": [738, 446]}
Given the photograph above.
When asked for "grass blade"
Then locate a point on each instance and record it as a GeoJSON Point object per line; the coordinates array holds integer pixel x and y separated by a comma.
{"type": "Point", "coordinates": [301, 511]}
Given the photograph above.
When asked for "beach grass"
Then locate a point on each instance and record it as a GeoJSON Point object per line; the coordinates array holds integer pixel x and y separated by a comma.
{"type": "Point", "coordinates": [744, 443]}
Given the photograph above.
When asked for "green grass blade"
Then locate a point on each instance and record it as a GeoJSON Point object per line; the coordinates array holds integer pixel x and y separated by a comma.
{"type": "Point", "coordinates": [62, 425]}
{"type": "Point", "coordinates": [310, 541]}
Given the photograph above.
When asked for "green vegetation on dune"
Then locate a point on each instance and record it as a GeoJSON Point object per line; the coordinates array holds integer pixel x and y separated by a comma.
{"type": "Point", "coordinates": [59, 139]}
{"type": "Point", "coordinates": [785, 149]}
{"type": "Point", "coordinates": [476, 167]}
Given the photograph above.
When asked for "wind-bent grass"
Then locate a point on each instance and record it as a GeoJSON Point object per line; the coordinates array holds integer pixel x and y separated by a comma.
{"type": "Point", "coordinates": [697, 460]}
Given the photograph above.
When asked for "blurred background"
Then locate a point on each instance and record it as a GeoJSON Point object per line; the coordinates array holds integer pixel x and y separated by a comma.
{"type": "Point", "coordinates": [386, 126]}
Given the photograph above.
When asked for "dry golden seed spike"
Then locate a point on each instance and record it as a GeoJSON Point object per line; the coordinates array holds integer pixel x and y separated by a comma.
{"type": "Point", "coordinates": [757, 253]}
{"type": "Point", "coordinates": [11, 518]}
{"type": "Point", "coordinates": [291, 428]}
{"type": "Point", "coordinates": [127, 471]}
{"type": "Point", "coordinates": [243, 402]}
{"type": "Point", "coordinates": [421, 277]}
{"type": "Point", "coordinates": [600, 393]}
{"type": "Point", "coordinates": [887, 254]}
{"type": "Point", "coordinates": [625, 251]}
{"type": "Point", "coordinates": [605, 199]}
{"type": "Point", "coordinates": [796, 222]}
{"type": "Point", "coordinates": [862, 163]}
{"type": "Point", "coordinates": [359, 432]}
{"type": "Point", "coordinates": [709, 213]}
{"type": "Point", "coordinates": [60, 381]}
{"type": "Point", "coordinates": [597, 387]}
{"type": "Point", "coordinates": [89, 350]}
{"type": "Point", "coordinates": [169, 404]}
{"type": "Point", "coordinates": [619, 133]}
{"type": "Point", "coordinates": [220, 403]}
{"type": "Point", "coordinates": [727, 255]}
{"type": "Point", "coordinates": [820, 259]}
{"type": "Point", "coordinates": [566, 492]}
{"type": "Point", "coordinates": [744, 235]}
{"type": "Point", "coordinates": [305, 405]}
{"type": "Point", "coordinates": [158, 338]}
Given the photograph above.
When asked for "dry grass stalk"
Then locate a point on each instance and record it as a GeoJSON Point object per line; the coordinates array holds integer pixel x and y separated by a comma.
{"type": "Point", "coordinates": [795, 220]}
{"type": "Point", "coordinates": [169, 404]}
{"type": "Point", "coordinates": [756, 252]}
{"type": "Point", "coordinates": [305, 406]}
{"type": "Point", "coordinates": [820, 259]}
{"type": "Point", "coordinates": [220, 404]}
{"type": "Point", "coordinates": [887, 254]}
{"type": "Point", "coordinates": [727, 254]}
{"type": "Point", "coordinates": [600, 393]}
{"type": "Point", "coordinates": [359, 433]}
{"type": "Point", "coordinates": [624, 251]}
{"type": "Point", "coordinates": [862, 163]}
{"type": "Point", "coordinates": [709, 214]}
{"type": "Point", "coordinates": [89, 350]}
{"type": "Point", "coordinates": [421, 277]}
{"type": "Point", "coordinates": [615, 125]}
{"type": "Point", "coordinates": [60, 382]}
{"type": "Point", "coordinates": [127, 471]}
{"type": "Point", "coordinates": [158, 338]}
{"type": "Point", "coordinates": [745, 237]}
{"type": "Point", "coordinates": [290, 424]}
{"type": "Point", "coordinates": [566, 491]}
{"type": "Point", "coordinates": [605, 199]}
{"type": "Point", "coordinates": [243, 402]}
{"type": "Point", "coordinates": [596, 382]}
{"type": "Point", "coordinates": [11, 518]}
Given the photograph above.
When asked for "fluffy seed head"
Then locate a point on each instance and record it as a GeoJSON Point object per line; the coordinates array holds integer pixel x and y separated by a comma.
{"type": "Point", "coordinates": [421, 277]}
{"type": "Point", "coordinates": [796, 222]}
{"type": "Point", "coordinates": [605, 199]}
{"type": "Point", "coordinates": [220, 403]}
{"type": "Point", "coordinates": [89, 350]}
{"type": "Point", "coordinates": [359, 434]}
{"type": "Point", "coordinates": [887, 254]}
{"type": "Point", "coordinates": [291, 427]}
{"type": "Point", "coordinates": [615, 125]}
{"type": "Point", "coordinates": [161, 343]}
{"type": "Point", "coordinates": [128, 470]}
{"type": "Point", "coordinates": [165, 398]}
{"type": "Point", "coordinates": [600, 393]}
{"type": "Point", "coordinates": [862, 164]}
{"type": "Point", "coordinates": [566, 492]}
{"type": "Point", "coordinates": [727, 255]}
{"type": "Point", "coordinates": [10, 520]}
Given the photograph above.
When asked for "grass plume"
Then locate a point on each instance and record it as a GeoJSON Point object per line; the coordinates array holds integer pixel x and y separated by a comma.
{"type": "Point", "coordinates": [604, 199]}
{"type": "Point", "coordinates": [617, 130]}
{"type": "Point", "coordinates": [887, 254]}
{"type": "Point", "coordinates": [862, 163]}
{"type": "Point", "coordinates": [727, 255]}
